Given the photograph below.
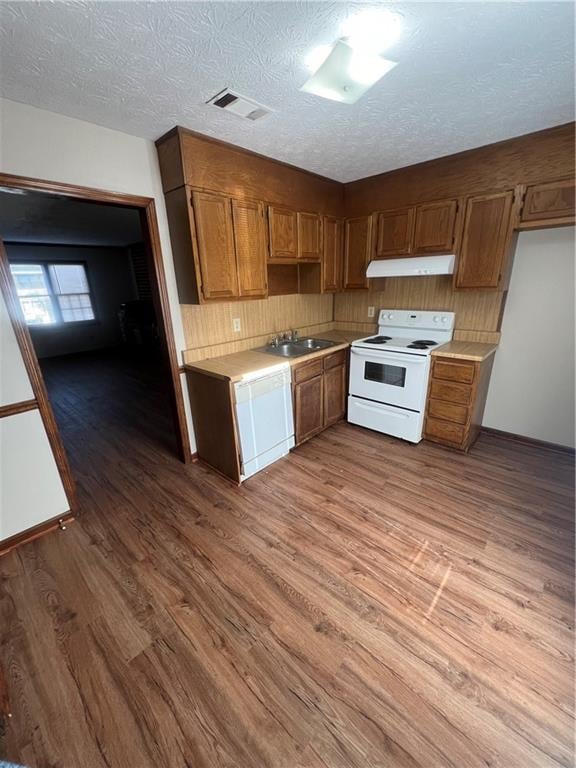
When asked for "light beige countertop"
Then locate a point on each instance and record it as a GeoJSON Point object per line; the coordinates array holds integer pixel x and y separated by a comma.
{"type": "Point", "coordinates": [234, 367]}
{"type": "Point", "coordinates": [466, 350]}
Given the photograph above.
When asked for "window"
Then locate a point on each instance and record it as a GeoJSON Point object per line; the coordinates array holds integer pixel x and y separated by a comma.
{"type": "Point", "coordinates": [53, 293]}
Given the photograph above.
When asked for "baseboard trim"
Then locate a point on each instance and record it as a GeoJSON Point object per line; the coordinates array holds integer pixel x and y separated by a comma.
{"type": "Point", "coordinates": [194, 458]}
{"type": "Point", "coordinates": [34, 533]}
{"type": "Point", "coordinates": [529, 441]}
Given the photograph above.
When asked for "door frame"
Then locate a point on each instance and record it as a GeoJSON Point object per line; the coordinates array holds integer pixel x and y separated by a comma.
{"type": "Point", "coordinates": [149, 224]}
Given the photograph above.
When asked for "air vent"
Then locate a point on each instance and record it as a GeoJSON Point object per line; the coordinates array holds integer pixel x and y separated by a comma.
{"type": "Point", "coordinates": [239, 105]}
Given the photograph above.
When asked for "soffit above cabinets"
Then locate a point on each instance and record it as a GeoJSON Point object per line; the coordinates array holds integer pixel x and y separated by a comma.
{"type": "Point", "coordinates": [468, 74]}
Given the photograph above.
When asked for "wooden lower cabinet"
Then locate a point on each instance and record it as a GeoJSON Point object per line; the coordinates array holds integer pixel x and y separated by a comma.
{"type": "Point", "coordinates": [308, 408]}
{"type": "Point", "coordinates": [319, 392]}
{"type": "Point", "coordinates": [334, 394]}
{"type": "Point", "coordinates": [456, 400]}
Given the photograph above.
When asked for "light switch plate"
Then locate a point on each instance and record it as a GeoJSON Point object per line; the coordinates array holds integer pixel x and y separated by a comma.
{"type": "Point", "coordinates": [371, 311]}
{"type": "Point", "coordinates": [236, 325]}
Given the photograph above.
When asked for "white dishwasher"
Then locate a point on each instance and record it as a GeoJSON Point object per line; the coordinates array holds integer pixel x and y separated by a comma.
{"type": "Point", "coordinates": [264, 417]}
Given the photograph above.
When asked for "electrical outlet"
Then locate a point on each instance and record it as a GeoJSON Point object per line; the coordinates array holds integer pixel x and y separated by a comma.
{"type": "Point", "coordinates": [236, 325]}
{"type": "Point", "coordinates": [371, 311]}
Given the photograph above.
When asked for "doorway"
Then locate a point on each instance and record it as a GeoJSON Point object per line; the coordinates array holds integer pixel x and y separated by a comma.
{"type": "Point", "coordinates": [86, 267]}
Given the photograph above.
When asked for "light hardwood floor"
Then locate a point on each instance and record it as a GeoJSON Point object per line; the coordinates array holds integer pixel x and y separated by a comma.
{"type": "Point", "coordinates": [364, 603]}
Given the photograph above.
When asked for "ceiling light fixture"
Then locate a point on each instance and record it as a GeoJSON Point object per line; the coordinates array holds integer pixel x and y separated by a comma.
{"type": "Point", "coordinates": [372, 31]}
{"type": "Point", "coordinates": [347, 73]}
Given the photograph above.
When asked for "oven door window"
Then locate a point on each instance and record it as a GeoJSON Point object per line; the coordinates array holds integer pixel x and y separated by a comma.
{"type": "Point", "coordinates": [383, 373]}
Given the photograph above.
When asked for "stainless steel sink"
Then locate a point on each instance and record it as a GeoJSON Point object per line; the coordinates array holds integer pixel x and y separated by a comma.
{"type": "Point", "coordinates": [316, 343]}
{"type": "Point", "coordinates": [297, 348]}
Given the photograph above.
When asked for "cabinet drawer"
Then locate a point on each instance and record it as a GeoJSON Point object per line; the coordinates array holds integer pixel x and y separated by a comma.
{"type": "Point", "coordinates": [451, 393]}
{"type": "Point", "coordinates": [445, 431]}
{"type": "Point", "coordinates": [448, 411]}
{"type": "Point", "coordinates": [307, 370]}
{"type": "Point", "coordinates": [463, 372]}
{"type": "Point", "coordinates": [336, 358]}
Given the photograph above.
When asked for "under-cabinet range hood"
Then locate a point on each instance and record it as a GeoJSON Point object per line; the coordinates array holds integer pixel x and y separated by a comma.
{"type": "Point", "coordinates": [414, 266]}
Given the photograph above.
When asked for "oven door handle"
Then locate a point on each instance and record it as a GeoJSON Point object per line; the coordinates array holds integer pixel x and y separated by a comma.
{"type": "Point", "coordinates": [406, 358]}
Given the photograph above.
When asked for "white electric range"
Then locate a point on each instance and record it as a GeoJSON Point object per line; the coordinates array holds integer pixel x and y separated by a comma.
{"type": "Point", "coordinates": [389, 372]}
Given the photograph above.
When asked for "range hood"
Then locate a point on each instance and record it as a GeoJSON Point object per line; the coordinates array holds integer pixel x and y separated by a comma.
{"type": "Point", "coordinates": [414, 266]}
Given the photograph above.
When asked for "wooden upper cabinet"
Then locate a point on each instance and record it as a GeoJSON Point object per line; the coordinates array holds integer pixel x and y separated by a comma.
{"type": "Point", "coordinates": [486, 240]}
{"type": "Point", "coordinates": [251, 247]}
{"type": "Point", "coordinates": [394, 233]}
{"type": "Point", "coordinates": [549, 204]}
{"type": "Point", "coordinates": [435, 227]}
{"type": "Point", "coordinates": [215, 245]}
{"type": "Point", "coordinates": [309, 236]}
{"type": "Point", "coordinates": [283, 226]}
{"type": "Point", "coordinates": [332, 254]}
{"type": "Point", "coordinates": [357, 248]}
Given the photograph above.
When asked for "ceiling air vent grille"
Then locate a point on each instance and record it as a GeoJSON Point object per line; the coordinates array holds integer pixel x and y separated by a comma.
{"type": "Point", "coordinates": [239, 105]}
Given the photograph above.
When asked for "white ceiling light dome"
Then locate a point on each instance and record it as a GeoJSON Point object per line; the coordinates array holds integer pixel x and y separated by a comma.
{"type": "Point", "coordinates": [373, 30]}
{"type": "Point", "coordinates": [346, 74]}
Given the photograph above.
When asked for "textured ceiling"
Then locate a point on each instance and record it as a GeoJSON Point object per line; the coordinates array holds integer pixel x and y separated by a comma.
{"type": "Point", "coordinates": [34, 217]}
{"type": "Point", "coordinates": [469, 73]}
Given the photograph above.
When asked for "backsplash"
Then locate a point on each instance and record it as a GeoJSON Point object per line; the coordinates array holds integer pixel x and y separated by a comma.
{"type": "Point", "coordinates": [209, 332]}
{"type": "Point", "coordinates": [477, 312]}
{"type": "Point", "coordinates": [208, 328]}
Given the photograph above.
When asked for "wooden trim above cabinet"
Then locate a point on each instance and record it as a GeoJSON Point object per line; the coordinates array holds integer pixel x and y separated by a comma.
{"type": "Point", "coordinates": [190, 158]}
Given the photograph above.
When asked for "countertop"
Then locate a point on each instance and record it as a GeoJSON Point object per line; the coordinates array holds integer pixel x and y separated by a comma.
{"type": "Point", "coordinates": [234, 367]}
{"type": "Point", "coordinates": [466, 350]}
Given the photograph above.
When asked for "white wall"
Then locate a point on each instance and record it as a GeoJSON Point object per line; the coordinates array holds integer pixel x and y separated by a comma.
{"type": "Point", "coordinates": [532, 386]}
{"type": "Point", "coordinates": [45, 145]}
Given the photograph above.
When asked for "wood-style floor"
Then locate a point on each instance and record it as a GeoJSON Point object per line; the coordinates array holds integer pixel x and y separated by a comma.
{"type": "Point", "coordinates": [363, 603]}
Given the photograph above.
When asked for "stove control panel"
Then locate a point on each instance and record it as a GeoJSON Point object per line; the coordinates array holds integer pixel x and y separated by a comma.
{"type": "Point", "coordinates": [401, 318]}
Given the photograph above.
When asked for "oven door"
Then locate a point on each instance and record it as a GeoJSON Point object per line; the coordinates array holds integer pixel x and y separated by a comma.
{"type": "Point", "coordinates": [395, 378]}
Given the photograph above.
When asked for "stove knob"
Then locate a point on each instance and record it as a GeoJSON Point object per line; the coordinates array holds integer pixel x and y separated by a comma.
{"type": "Point", "coordinates": [390, 316]}
{"type": "Point", "coordinates": [436, 319]}
{"type": "Point", "coordinates": [444, 319]}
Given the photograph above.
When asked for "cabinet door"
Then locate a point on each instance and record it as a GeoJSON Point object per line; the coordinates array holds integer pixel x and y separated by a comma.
{"type": "Point", "coordinates": [394, 234]}
{"type": "Point", "coordinates": [250, 242]}
{"type": "Point", "coordinates": [215, 240]}
{"type": "Point", "coordinates": [332, 254]}
{"type": "Point", "coordinates": [309, 236]}
{"type": "Point", "coordinates": [308, 408]}
{"type": "Point", "coordinates": [283, 225]}
{"type": "Point", "coordinates": [549, 202]}
{"type": "Point", "coordinates": [334, 394]}
{"type": "Point", "coordinates": [357, 251]}
{"type": "Point", "coordinates": [435, 224]}
{"type": "Point", "coordinates": [485, 240]}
